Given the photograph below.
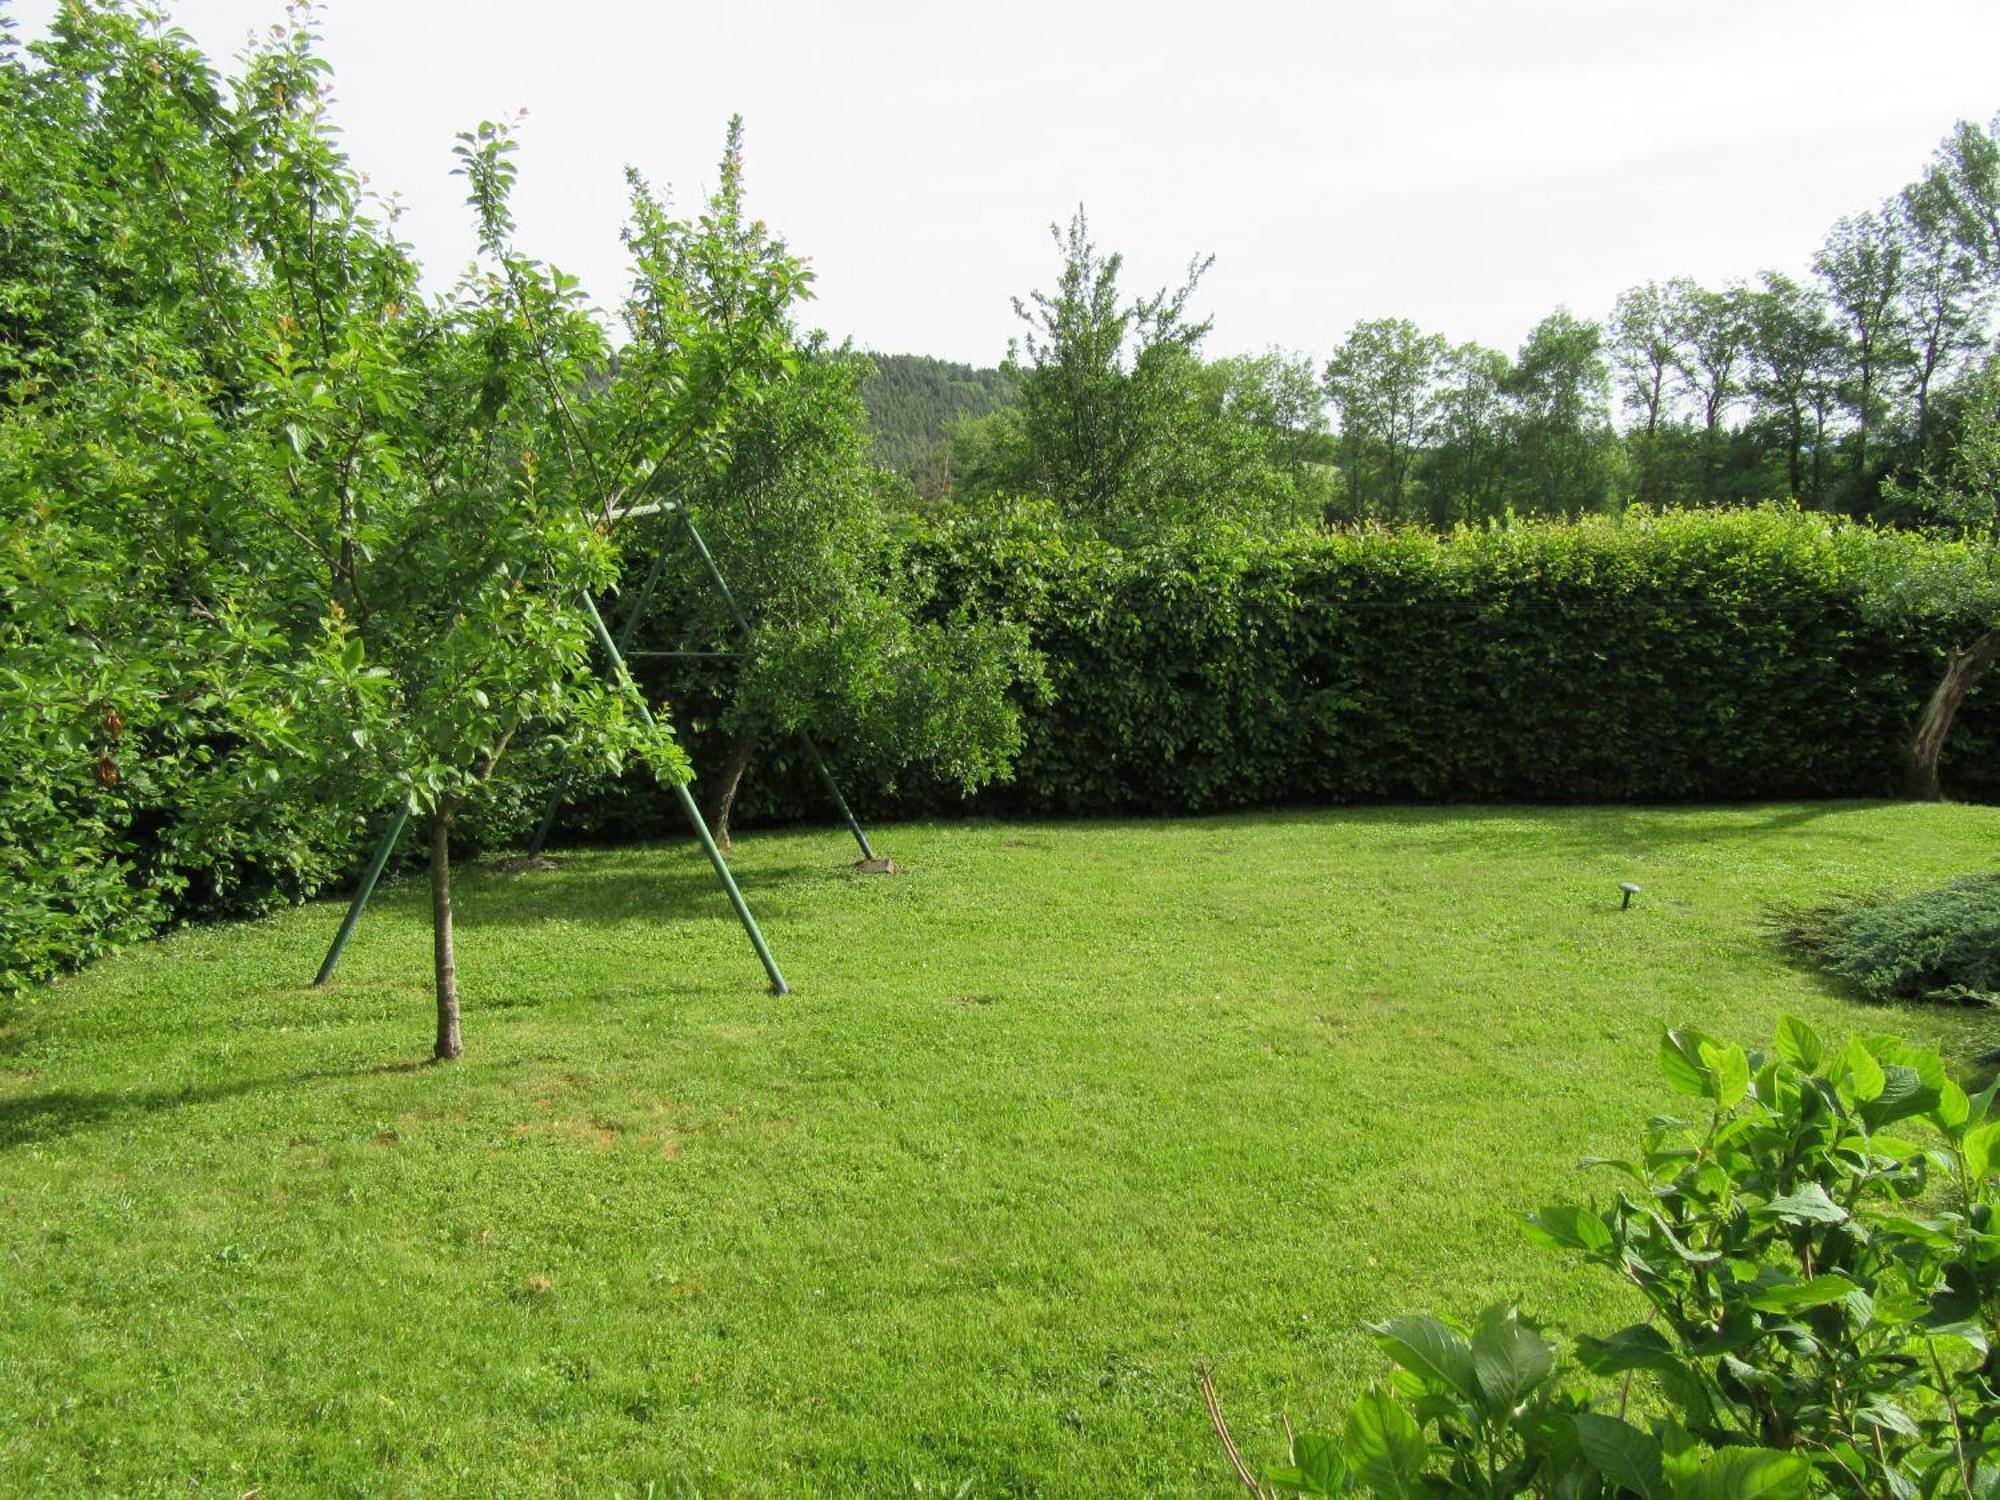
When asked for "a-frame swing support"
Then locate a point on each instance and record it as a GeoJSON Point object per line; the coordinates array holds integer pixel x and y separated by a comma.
{"type": "Point", "coordinates": [615, 652]}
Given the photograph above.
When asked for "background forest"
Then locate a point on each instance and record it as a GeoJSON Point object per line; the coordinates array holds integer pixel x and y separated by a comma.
{"type": "Point", "coordinates": [1825, 388]}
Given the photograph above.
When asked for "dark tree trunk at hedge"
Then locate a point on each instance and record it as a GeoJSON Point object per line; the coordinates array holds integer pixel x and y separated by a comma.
{"type": "Point", "coordinates": [444, 955]}
{"type": "Point", "coordinates": [722, 792]}
{"type": "Point", "coordinates": [1962, 671]}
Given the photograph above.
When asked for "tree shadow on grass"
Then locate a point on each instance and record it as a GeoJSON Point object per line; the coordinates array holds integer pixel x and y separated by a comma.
{"type": "Point", "coordinates": [53, 1114]}
{"type": "Point", "coordinates": [1564, 829]}
{"type": "Point", "coordinates": [622, 893]}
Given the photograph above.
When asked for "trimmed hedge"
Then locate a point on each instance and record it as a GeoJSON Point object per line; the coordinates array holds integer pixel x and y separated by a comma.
{"type": "Point", "coordinates": [1695, 656]}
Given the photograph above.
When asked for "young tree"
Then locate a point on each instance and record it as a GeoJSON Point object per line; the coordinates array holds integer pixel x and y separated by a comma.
{"type": "Point", "coordinates": [450, 501]}
{"type": "Point", "coordinates": [1108, 389]}
{"type": "Point", "coordinates": [761, 437]}
{"type": "Point", "coordinates": [1861, 265]}
{"type": "Point", "coordinates": [1645, 348]}
{"type": "Point", "coordinates": [1711, 344]}
{"type": "Point", "coordinates": [1559, 425]}
{"type": "Point", "coordinates": [1382, 382]}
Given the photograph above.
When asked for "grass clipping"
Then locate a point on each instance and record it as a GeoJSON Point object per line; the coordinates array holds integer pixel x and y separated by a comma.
{"type": "Point", "coordinates": [1941, 946]}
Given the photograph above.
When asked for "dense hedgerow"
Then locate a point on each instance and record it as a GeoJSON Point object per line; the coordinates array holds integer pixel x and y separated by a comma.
{"type": "Point", "coordinates": [1696, 656]}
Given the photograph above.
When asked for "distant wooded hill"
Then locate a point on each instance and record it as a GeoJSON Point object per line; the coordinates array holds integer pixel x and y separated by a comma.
{"type": "Point", "coordinates": [913, 401]}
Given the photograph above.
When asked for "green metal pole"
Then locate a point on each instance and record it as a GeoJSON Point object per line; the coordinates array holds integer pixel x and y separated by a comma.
{"type": "Point", "coordinates": [359, 904]}
{"type": "Point", "coordinates": [626, 629]}
{"type": "Point", "coordinates": [812, 750]}
{"type": "Point", "coordinates": [778, 985]}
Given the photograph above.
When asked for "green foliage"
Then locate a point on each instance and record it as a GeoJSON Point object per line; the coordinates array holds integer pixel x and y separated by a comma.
{"type": "Point", "coordinates": [146, 669]}
{"type": "Point", "coordinates": [1122, 426]}
{"type": "Point", "coordinates": [1823, 1276]}
{"type": "Point", "coordinates": [286, 540]}
{"type": "Point", "coordinates": [1702, 655]}
{"type": "Point", "coordinates": [914, 404]}
{"type": "Point", "coordinates": [1938, 945]}
{"type": "Point", "coordinates": [839, 642]}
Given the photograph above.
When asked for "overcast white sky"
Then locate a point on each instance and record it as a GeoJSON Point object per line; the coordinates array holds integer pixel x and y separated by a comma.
{"type": "Point", "coordinates": [1468, 165]}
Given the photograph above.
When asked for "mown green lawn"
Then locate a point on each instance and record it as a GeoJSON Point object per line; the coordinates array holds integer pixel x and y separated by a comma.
{"type": "Point", "coordinates": [1050, 1118]}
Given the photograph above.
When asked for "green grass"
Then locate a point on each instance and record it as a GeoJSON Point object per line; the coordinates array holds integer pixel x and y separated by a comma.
{"type": "Point", "coordinates": [1050, 1118]}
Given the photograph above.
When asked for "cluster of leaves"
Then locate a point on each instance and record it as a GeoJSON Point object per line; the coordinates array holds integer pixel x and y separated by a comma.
{"type": "Point", "coordinates": [1823, 1277]}
{"type": "Point", "coordinates": [1940, 945]}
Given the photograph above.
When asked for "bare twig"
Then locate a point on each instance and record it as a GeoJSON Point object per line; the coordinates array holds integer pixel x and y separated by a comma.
{"type": "Point", "coordinates": [1222, 1431]}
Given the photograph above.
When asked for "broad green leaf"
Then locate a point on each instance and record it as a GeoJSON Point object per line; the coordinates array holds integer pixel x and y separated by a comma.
{"type": "Point", "coordinates": [1623, 1454]}
{"type": "Point", "coordinates": [1863, 1074]}
{"type": "Point", "coordinates": [1681, 1062]}
{"type": "Point", "coordinates": [1385, 1447]}
{"type": "Point", "coordinates": [1978, 1147]}
{"type": "Point", "coordinates": [1509, 1358]}
{"type": "Point", "coordinates": [1320, 1465]}
{"type": "Point", "coordinates": [1953, 1110]}
{"type": "Point", "coordinates": [1793, 1296]}
{"type": "Point", "coordinates": [1436, 1353]}
{"type": "Point", "coordinates": [1799, 1044]}
{"type": "Point", "coordinates": [1810, 1203]}
{"type": "Point", "coordinates": [1752, 1474]}
{"type": "Point", "coordinates": [1568, 1227]}
{"type": "Point", "coordinates": [1903, 1094]}
{"type": "Point", "coordinates": [1640, 1347]}
{"type": "Point", "coordinates": [1728, 1068]}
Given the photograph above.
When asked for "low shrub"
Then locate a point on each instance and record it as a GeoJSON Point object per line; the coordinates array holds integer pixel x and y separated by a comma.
{"type": "Point", "coordinates": [1819, 1254]}
{"type": "Point", "coordinates": [1941, 945]}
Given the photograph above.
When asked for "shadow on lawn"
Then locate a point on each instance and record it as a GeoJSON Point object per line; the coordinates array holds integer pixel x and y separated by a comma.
{"type": "Point", "coordinates": [55, 1113]}
{"type": "Point", "coordinates": [616, 891]}
{"type": "Point", "coordinates": [1583, 830]}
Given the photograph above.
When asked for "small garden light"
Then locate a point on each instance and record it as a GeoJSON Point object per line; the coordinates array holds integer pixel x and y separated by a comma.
{"type": "Point", "coordinates": [1630, 891]}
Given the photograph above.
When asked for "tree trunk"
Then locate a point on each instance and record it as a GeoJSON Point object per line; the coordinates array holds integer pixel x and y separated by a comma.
{"type": "Point", "coordinates": [1962, 671]}
{"type": "Point", "coordinates": [722, 794]}
{"type": "Point", "coordinates": [444, 955]}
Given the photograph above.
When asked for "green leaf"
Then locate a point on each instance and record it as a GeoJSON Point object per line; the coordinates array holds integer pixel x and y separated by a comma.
{"type": "Point", "coordinates": [1729, 1068]}
{"type": "Point", "coordinates": [1809, 1204]}
{"type": "Point", "coordinates": [1639, 1347]}
{"type": "Point", "coordinates": [1623, 1454]}
{"type": "Point", "coordinates": [1799, 1045]}
{"type": "Point", "coordinates": [1953, 1110]}
{"type": "Point", "coordinates": [1903, 1094]}
{"type": "Point", "coordinates": [1318, 1467]}
{"type": "Point", "coordinates": [1567, 1227]}
{"type": "Point", "coordinates": [1864, 1075]}
{"type": "Point", "coordinates": [1795, 1295]}
{"type": "Point", "coordinates": [1681, 1062]}
{"type": "Point", "coordinates": [1751, 1474]}
{"type": "Point", "coordinates": [1434, 1352]}
{"type": "Point", "coordinates": [1385, 1447]}
{"type": "Point", "coordinates": [1509, 1358]}
{"type": "Point", "coordinates": [1978, 1148]}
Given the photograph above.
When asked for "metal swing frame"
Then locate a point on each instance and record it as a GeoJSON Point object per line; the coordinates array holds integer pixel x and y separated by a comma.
{"type": "Point", "coordinates": [615, 654]}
